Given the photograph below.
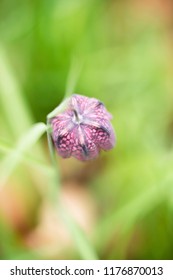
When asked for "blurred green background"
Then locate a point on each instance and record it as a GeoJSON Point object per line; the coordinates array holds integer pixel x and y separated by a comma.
{"type": "Point", "coordinates": [120, 205]}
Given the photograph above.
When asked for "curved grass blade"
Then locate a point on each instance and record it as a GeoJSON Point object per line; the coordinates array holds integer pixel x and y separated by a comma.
{"type": "Point", "coordinates": [82, 243]}
{"type": "Point", "coordinates": [25, 143]}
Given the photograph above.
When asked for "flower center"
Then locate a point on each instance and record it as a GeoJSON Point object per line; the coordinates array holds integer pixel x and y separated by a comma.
{"type": "Point", "coordinates": [77, 118]}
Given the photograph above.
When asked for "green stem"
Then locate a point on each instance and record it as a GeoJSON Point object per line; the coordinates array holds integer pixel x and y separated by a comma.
{"type": "Point", "coordinates": [56, 178]}
{"type": "Point", "coordinates": [81, 241]}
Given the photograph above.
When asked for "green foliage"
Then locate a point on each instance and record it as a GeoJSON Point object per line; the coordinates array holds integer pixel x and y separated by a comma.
{"type": "Point", "coordinates": [103, 49]}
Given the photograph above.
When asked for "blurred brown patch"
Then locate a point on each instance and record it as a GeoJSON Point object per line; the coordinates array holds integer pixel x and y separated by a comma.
{"type": "Point", "coordinates": [52, 237]}
{"type": "Point", "coordinates": [14, 209]}
{"type": "Point", "coordinates": [73, 170]}
{"type": "Point", "coordinates": [156, 8]}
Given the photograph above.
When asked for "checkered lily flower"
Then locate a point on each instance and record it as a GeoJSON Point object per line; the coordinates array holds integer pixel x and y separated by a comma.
{"type": "Point", "coordinates": [82, 129]}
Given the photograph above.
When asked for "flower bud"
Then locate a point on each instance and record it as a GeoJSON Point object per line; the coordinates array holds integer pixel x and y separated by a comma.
{"type": "Point", "coordinates": [82, 129]}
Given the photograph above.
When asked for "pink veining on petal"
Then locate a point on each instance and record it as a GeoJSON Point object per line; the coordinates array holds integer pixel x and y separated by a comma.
{"type": "Point", "coordinates": [83, 129]}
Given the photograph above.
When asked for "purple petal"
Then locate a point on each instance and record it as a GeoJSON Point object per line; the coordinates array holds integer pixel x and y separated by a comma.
{"type": "Point", "coordinates": [65, 143]}
{"type": "Point", "coordinates": [83, 129]}
{"type": "Point", "coordinates": [79, 103]}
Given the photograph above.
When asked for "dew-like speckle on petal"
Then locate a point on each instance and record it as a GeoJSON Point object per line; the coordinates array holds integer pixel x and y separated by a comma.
{"type": "Point", "coordinates": [83, 129]}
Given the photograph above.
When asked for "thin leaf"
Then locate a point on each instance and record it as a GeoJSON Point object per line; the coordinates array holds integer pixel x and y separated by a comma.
{"type": "Point", "coordinates": [25, 143]}
{"type": "Point", "coordinates": [73, 77]}
{"type": "Point", "coordinates": [83, 245]}
{"type": "Point", "coordinates": [14, 105]}
{"type": "Point", "coordinates": [27, 158]}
